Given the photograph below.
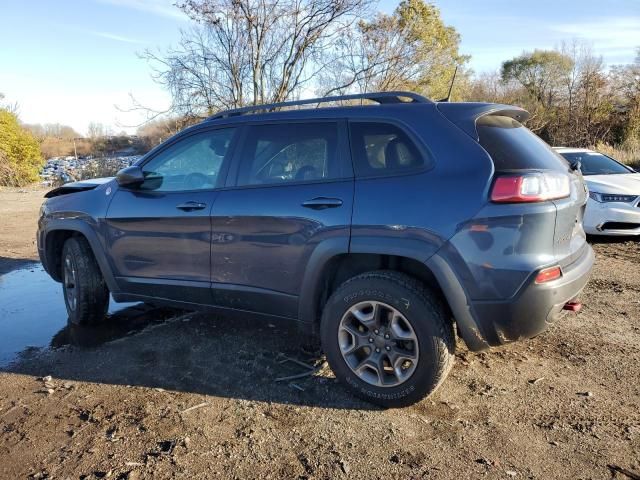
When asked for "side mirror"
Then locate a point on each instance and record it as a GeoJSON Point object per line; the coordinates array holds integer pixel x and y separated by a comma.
{"type": "Point", "coordinates": [130, 176]}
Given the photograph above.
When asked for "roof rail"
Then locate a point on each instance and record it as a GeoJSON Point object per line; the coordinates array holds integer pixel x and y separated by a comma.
{"type": "Point", "coordinates": [378, 97]}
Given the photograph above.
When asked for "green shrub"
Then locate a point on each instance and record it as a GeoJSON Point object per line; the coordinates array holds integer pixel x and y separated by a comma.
{"type": "Point", "coordinates": [20, 157]}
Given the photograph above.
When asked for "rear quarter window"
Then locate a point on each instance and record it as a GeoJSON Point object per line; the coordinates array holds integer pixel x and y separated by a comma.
{"type": "Point", "coordinates": [381, 149]}
{"type": "Point", "coordinates": [512, 146]}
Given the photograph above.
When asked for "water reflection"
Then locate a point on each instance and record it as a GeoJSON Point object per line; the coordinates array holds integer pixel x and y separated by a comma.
{"type": "Point", "coordinates": [33, 316]}
{"type": "Point", "coordinates": [124, 322]}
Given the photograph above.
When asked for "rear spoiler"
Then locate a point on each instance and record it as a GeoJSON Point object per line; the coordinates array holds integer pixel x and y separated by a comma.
{"type": "Point", "coordinates": [465, 114]}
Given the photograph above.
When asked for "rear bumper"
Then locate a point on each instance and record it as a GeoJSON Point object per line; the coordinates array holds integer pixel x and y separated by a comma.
{"type": "Point", "coordinates": [534, 307]}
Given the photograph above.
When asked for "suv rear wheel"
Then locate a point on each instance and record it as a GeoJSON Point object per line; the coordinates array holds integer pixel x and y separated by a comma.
{"type": "Point", "coordinates": [388, 338]}
{"type": "Point", "coordinates": [85, 293]}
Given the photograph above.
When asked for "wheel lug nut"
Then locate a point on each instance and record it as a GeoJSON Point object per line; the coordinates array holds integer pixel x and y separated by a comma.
{"type": "Point", "coordinates": [387, 348]}
{"type": "Point", "coordinates": [371, 340]}
{"type": "Point", "coordinates": [376, 332]}
{"type": "Point", "coordinates": [377, 350]}
{"type": "Point", "coordinates": [386, 335]}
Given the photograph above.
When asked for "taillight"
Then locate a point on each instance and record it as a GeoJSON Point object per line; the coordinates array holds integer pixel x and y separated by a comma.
{"type": "Point", "coordinates": [548, 274]}
{"type": "Point", "coordinates": [530, 187]}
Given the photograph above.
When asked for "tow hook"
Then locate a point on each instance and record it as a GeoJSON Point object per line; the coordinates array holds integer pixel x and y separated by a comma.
{"type": "Point", "coordinates": [573, 306]}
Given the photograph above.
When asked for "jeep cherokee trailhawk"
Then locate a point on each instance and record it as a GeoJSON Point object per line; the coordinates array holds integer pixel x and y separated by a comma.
{"type": "Point", "coordinates": [381, 222]}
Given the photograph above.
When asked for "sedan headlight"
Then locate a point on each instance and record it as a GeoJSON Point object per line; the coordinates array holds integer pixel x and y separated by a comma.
{"type": "Point", "coordinates": [612, 197]}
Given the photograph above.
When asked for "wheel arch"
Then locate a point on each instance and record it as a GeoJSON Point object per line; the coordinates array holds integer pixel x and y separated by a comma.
{"type": "Point", "coordinates": [57, 234]}
{"type": "Point", "coordinates": [333, 267]}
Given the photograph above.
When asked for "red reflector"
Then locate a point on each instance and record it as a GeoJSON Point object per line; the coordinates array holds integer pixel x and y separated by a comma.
{"type": "Point", "coordinates": [507, 189]}
{"type": "Point", "coordinates": [572, 306]}
{"type": "Point", "coordinates": [548, 274]}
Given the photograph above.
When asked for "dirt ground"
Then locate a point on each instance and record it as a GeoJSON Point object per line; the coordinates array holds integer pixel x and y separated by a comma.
{"type": "Point", "coordinates": [18, 224]}
{"type": "Point", "coordinates": [197, 396]}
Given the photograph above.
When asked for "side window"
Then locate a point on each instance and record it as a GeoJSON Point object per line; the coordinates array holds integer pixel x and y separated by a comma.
{"type": "Point", "coordinates": [278, 153]}
{"type": "Point", "coordinates": [382, 149]}
{"type": "Point", "coordinates": [193, 163]}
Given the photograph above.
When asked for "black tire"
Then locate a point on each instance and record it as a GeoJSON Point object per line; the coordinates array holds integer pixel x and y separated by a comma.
{"type": "Point", "coordinates": [86, 284]}
{"type": "Point", "coordinates": [425, 313]}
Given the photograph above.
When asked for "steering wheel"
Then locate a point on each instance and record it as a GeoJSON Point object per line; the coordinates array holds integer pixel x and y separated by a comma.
{"type": "Point", "coordinates": [195, 180]}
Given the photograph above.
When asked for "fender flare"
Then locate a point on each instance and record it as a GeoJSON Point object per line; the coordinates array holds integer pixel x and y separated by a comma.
{"type": "Point", "coordinates": [80, 226]}
{"type": "Point", "coordinates": [446, 278]}
{"type": "Point", "coordinates": [459, 303]}
{"type": "Point", "coordinates": [313, 276]}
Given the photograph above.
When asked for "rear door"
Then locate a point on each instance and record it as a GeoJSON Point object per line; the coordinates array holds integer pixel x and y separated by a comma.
{"type": "Point", "coordinates": [291, 188]}
{"type": "Point", "coordinates": [159, 232]}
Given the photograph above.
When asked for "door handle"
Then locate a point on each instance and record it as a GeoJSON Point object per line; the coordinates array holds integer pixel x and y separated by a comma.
{"type": "Point", "coordinates": [190, 206]}
{"type": "Point", "coordinates": [320, 203]}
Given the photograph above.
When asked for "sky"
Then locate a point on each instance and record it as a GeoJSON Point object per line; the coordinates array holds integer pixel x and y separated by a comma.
{"type": "Point", "coordinates": [76, 61]}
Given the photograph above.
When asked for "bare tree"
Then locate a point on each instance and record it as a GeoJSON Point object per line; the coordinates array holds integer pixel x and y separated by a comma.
{"type": "Point", "coordinates": [625, 80]}
{"type": "Point", "coordinates": [54, 130]}
{"type": "Point", "coordinates": [155, 131]}
{"type": "Point", "coordinates": [410, 49]}
{"type": "Point", "coordinates": [586, 99]}
{"type": "Point", "coordinates": [248, 51]}
{"type": "Point", "coordinates": [96, 130]}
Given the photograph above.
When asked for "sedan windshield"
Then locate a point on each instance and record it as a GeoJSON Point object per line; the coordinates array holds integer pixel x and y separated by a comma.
{"type": "Point", "coordinates": [593, 163]}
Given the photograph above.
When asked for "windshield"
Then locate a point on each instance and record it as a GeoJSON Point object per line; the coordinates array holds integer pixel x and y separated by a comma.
{"type": "Point", "coordinates": [593, 163]}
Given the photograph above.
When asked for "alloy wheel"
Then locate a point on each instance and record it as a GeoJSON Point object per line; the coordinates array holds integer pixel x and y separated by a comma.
{"type": "Point", "coordinates": [70, 283]}
{"type": "Point", "coordinates": [378, 344]}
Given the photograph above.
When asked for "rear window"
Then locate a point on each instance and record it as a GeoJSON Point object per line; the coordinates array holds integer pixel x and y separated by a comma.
{"type": "Point", "coordinates": [277, 153]}
{"type": "Point", "coordinates": [514, 147]}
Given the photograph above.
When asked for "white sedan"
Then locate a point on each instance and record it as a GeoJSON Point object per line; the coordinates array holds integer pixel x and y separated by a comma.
{"type": "Point", "coordinates": [614, 193]}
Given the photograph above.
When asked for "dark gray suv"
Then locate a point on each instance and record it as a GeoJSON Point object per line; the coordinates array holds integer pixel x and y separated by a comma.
{"type": "Point", "coordinates": [383, 226]}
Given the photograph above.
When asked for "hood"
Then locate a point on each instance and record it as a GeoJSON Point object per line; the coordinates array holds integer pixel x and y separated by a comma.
{"type": "Point", "coordinates": [80, 186]}
{"type": "Point", "coordinates": [623, 183]}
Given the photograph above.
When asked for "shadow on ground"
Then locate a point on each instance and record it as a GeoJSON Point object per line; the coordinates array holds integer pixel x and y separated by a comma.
{"type": "Point", "coordinates": [9, 264]}
{"type": "Point", "coordinates": [605, 239]}
{"type": "Point", "coordinates": [194, 353]}
{"type": "Point", "coordinates": [140, 345]}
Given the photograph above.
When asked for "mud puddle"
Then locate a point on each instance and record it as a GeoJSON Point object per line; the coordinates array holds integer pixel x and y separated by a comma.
{"type": "Point", "coordinates": [33, 316]}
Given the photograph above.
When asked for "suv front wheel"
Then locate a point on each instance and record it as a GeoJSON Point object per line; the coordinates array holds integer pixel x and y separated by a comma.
{"type": "Point", "coordinates": [85, 293]}
{"type": "Point", "coordinates": [388, 338]}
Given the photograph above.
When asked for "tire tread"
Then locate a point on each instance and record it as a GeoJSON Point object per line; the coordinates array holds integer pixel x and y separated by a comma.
{"type": "Point", "coordinates": [92, 301]}
{"type": "Point", "coordinates": [437, 313]}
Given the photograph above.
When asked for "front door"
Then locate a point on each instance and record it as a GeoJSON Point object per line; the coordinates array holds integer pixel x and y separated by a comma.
{"type": "Point", "coordinates": [159, 233]}
{"type": "Point", "coordinates": [292, 189]}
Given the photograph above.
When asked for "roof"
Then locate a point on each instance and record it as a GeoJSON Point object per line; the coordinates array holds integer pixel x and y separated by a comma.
{"type": "Point", "coordinates": [380, 98]}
